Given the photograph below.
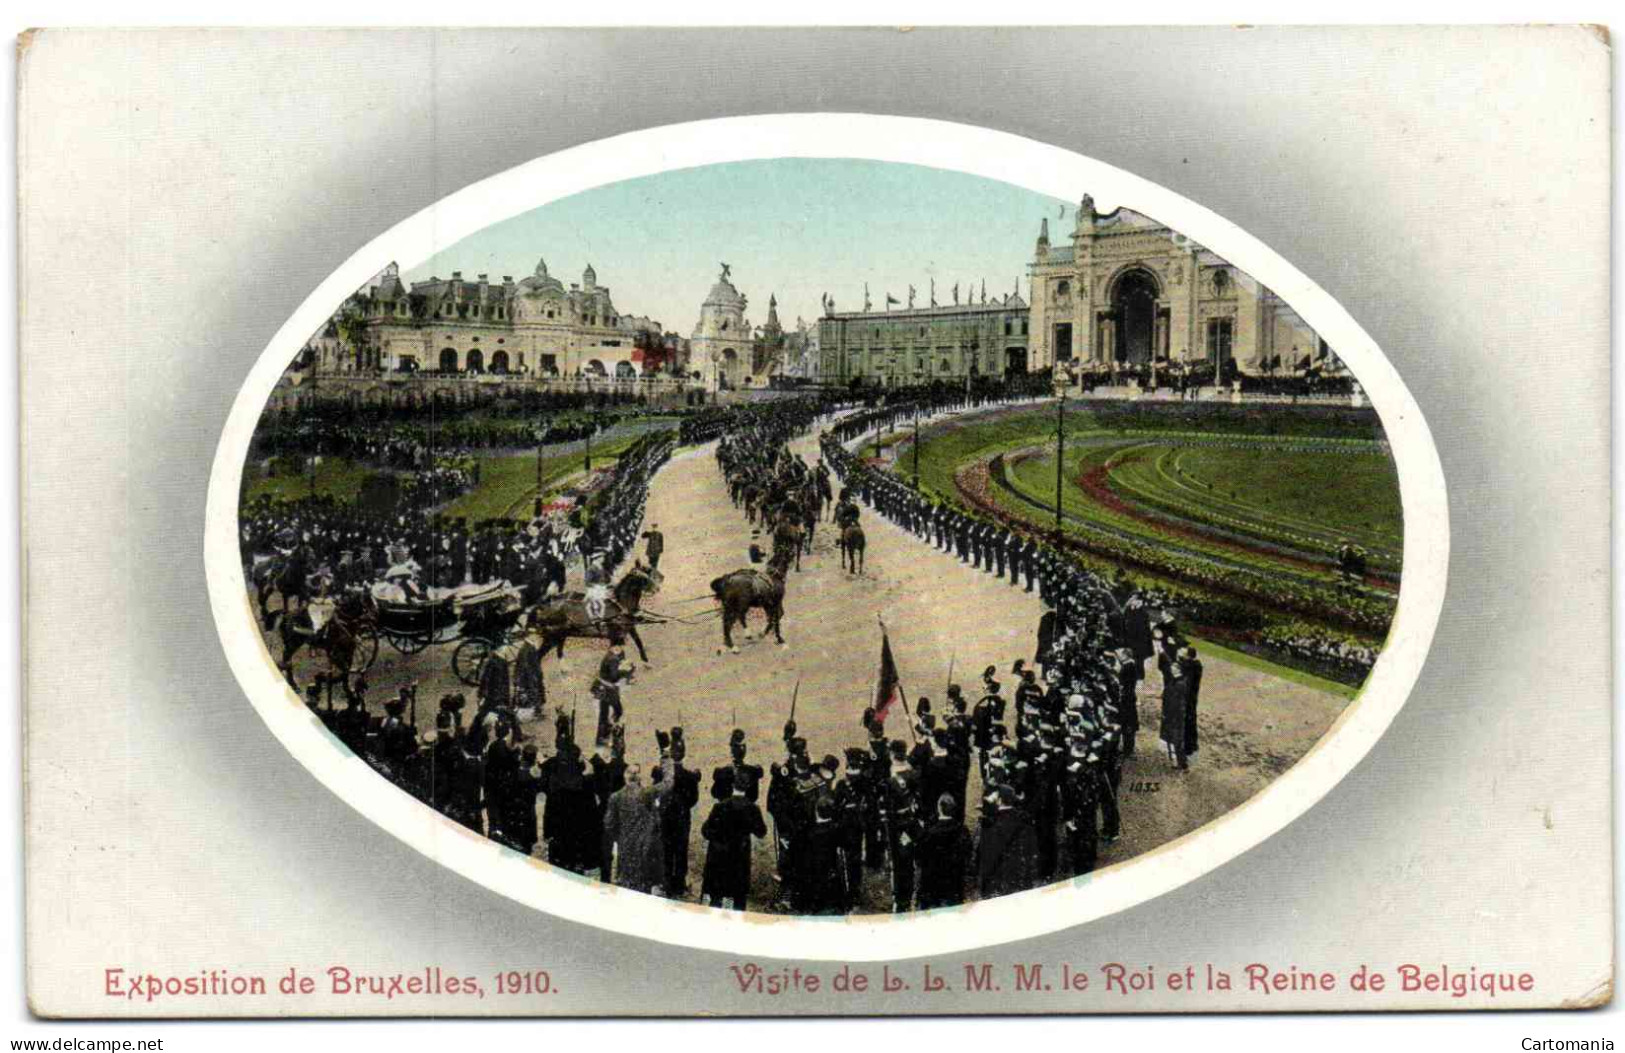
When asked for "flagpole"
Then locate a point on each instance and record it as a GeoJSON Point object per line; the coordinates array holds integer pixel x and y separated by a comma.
{"type": "Point", "coordinates": [903, 691]}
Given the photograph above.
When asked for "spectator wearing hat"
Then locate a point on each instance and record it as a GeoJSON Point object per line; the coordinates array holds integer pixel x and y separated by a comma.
{"type": "Point", "coordinates": [1176, 716]}
{"type": "Point", "coordinates": [677, 815]}
{"type": "Point", "coordinates": [820, 880]}
{"type": "Point", "coordinates": [901, 812]}
{"type": "Point", "coordinates": [854, 806]}
{"type": "Point", "coordinates": [1191, 668]}
{"type": "Point", "coordinates": [519, 809]}
{"type": "Point", "coordinates": [1009, 847]}
{"type": "Point", "coordinates": [734, 820]}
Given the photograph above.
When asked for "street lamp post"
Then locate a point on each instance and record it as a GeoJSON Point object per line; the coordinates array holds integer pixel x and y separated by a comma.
{"type": "Point", "coordinates": [916, 445]}
{"type": "Point", "coordinates": [1060, 448]}
{"type": "Point", "coordinates": [538, 510]}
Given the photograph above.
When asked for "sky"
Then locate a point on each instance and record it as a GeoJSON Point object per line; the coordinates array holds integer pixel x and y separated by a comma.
{"type": "Point", "coordinates": [796, 228]}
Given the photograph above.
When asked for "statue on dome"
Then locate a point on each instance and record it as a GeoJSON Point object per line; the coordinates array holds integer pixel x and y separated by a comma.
{"type": "Point", "coordinates": [726, 270]}
{"type": "Point", "coordinates": [541, 268]}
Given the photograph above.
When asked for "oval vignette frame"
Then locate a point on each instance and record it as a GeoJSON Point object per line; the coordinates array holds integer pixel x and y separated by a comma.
{"type": "Point", "coordinates": [937, 144]}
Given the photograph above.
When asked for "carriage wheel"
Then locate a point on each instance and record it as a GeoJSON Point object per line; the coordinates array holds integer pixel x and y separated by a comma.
{"type": "Point", "coordinates": [406, 644]}
{"type": "Point", "coordinates": [366, 652]}
{"type": "Point", "coordinates": [469, 659]}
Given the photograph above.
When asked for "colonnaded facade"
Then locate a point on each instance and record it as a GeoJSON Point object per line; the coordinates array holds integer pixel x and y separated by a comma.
{"type": "Point", "coordinates": [1129, 291]}
{"type": "Point", "coordinates": [533, 328]}
{"type": "Point", "coordinates": [914, 345]}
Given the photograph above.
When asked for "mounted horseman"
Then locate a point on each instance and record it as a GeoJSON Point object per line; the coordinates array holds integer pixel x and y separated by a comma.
{"type": "Point", "coordinates": [811, 506]}
{"type": "Point", "coordinates": [750, 589]}
{"type": "Point", "coordinates": [338, 628]}
{"type": "Point", "coordinates": [788, 537]}
{"type": "Point", "coordinates": [569, 616]}
{"type": "Point", "coordinates": [849, 533]}
{"type": "Point", "coordinates": [287, 572]}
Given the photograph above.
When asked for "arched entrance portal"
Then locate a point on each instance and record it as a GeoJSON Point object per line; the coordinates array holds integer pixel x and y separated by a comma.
{"type": "Point", "coordinates": [499, 362]}
{"type": "Point", "coordinates": [1135, 304]}
{"type": "Point", "coordinates": [728, 368]}
{"type": "Point", "coordinates": [476, 361]}
{"type": "Point", "coordinates": [448, 360]}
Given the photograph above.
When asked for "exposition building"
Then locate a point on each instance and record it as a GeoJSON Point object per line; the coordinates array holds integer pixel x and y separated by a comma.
{"type": "Point", "coordinates": [533, 328]}
{"type": "Point", "coordinates": [1131, 292]}
{"type": "Point", "coordinates": [914, 345]}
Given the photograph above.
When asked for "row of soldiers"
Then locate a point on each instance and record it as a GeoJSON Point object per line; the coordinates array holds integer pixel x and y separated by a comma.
{"type": "Point", "coordinates": [901, 405]}
{"type": "Point", "coordinates": [615, 514]}
{"type": "Point", "coordinates": [987, 546]}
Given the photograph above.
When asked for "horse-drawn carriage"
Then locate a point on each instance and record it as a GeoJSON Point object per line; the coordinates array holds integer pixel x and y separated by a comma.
{"type": "Point", "coordinates": [478, 619]}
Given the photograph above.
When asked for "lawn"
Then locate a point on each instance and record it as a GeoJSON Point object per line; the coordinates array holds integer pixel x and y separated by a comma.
{"type": "Point", "coordinates": [337, 478]}
{"type": "Point", "coordinates": [508, 481]}
{"type": "Point", "coordinates": [1241, 524]}
{"type": "Point", "coordinates": [1352, 494]}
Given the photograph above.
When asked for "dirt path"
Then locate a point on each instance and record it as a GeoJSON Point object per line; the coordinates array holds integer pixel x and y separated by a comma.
{"type": "Point", "coordinates": [1253, 726]}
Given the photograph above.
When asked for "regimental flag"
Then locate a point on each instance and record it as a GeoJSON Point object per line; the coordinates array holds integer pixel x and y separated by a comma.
{"type": "Point", "coordinates": [887, 689]}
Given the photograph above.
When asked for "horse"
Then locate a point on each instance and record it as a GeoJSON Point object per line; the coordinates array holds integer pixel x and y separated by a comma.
{"type": "Point", "coordinates": [339, 638]}
{"type": "Point", "coordinates": [810, 509]}
{"type": "Point", "coordinates": [743, 590]}
{"type": "Point", "coordinates": [278, 573]}
{"type": "Point", "coordinates": [787, 540]}
{"type": "Point", "coordinates": [852, 545]}
{"type": "Point", "coordinates": [565, 616]}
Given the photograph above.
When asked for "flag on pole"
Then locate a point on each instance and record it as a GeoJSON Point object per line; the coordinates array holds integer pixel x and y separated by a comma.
{"type": "Point", "coordinates": [888, 689]}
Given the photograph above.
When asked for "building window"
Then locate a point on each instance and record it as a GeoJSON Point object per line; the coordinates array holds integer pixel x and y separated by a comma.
{"type": "Point", "coordinates": [1221, 283]}
{"type": "Point", "coordinates": [1063, 288]}
{"type": "Point", "coordinates": [1219, 333]}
